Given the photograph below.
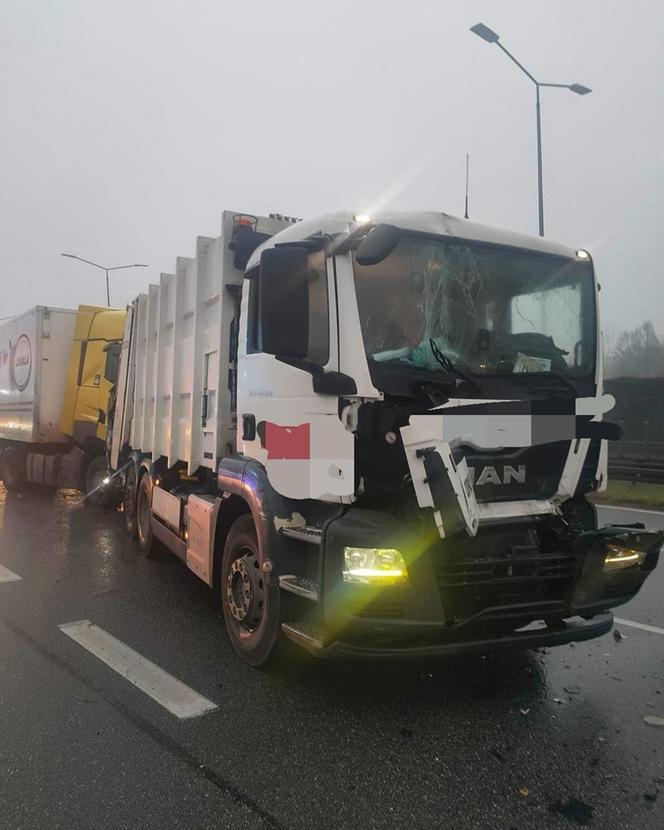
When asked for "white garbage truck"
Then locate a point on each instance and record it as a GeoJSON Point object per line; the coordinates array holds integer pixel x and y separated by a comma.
{"type": "Point", "coordinates": [375, 436]}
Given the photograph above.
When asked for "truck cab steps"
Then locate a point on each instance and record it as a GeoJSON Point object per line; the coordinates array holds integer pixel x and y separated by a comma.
{"type": "Point", "coordinates": [311, 535]}
{"type": "Point", "coordinates": [300, 585]}
{"type": "Point", "coordinates": [310, 637]}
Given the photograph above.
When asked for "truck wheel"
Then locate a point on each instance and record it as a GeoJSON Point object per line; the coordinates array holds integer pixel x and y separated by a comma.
{"type": "Point", "coordinates": [146, 540]}
{"type": "Point", "coordinates": [129, 502]}
{"type": "Point", "coordinates": [12, 468]}
{"type": "Point", "coordinates": [250, 605]}
{"type": "Point", "coordinates": [95, 473]}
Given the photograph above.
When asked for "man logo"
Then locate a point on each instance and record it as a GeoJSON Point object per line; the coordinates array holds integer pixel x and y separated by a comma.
{"type": "Point", "coordinates": [489, 475]}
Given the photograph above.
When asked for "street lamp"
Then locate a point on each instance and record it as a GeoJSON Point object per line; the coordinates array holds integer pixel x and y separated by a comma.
{"type": "Point", "coordinates": [103, 268]}
{"type": "Point", "coordinates": [491, 37]}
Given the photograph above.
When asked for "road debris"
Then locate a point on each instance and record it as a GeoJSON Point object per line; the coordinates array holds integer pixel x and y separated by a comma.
{"type": "Point", "coordinates": [618, 635]}
{"type": "Point", "coordinates": [653, 720]}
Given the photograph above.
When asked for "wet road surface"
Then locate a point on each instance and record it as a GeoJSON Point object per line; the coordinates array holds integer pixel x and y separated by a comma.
{"type": "Point", "coordinates": [553, 738]}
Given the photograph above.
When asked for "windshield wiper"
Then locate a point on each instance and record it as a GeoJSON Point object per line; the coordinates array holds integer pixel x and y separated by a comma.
{"type": "Point", "coordinates": [447, 364]}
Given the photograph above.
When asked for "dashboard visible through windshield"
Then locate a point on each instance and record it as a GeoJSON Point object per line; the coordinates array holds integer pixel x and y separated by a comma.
{"type": "Point", "coordinates": [488, 309]}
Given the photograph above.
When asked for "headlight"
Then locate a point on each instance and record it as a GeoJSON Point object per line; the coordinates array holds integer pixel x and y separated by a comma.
{"type": "Point", "coordinates": [374, 566]}
{"type": "Point", "coordinates": [618, 558]}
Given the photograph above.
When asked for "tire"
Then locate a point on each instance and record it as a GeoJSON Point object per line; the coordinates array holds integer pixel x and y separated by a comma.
{"type": "Point", "coordinates": [249, 603]}
{"type": "Point", "coordinates": [146, 539]}
{"type": "Point", "coordinates": [12, 468]}
{"type": "Point", "coordinates": [96, 494]}
{"type": "Point", "coordinates": [129, 499]}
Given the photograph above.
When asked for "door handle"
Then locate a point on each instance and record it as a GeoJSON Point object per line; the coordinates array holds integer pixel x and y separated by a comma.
{"type": "Point", "coordinates": [204, 409]}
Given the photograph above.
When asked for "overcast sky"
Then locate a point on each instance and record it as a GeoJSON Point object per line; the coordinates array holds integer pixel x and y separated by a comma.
{"type": "Point", "coordinates": [126, 127]}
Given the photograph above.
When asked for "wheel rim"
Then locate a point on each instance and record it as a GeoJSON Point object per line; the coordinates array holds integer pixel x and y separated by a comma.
{"type": "Point", "coordinates": [245, 590]}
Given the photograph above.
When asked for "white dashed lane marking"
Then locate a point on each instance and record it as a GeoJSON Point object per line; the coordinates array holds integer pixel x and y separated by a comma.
{"type": "Point", "coordinates": [651, 628]}
{"type": "Point", "coordinates": [8, 576]}
{"type": "Point", "coordinates": [161, 686]}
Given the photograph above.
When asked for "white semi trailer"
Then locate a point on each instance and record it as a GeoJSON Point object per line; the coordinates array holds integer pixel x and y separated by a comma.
{"type": "Point", "coordinates": [375, 435]}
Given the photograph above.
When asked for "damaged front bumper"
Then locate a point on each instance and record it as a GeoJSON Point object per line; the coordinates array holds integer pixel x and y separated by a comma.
{"type": "Point", "coordinates": [471, 595]}
{"type": "Point", "coordinates": [377, 646]}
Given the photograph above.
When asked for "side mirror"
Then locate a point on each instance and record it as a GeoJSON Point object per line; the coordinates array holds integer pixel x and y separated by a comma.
{"type": "Point", "coordinates": [283, 302]}
{"type": "Point", "coordinates": [378, 244]}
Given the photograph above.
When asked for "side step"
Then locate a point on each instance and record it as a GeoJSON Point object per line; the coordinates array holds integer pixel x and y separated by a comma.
{"type": "Point", "coordinates": [310, 637]}
{"type": "Point", "coordinates": [312, 535]}
{"type": "Point", "coordinates": [300, 585]}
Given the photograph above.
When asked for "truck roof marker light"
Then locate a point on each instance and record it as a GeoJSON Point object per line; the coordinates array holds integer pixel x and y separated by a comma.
{"type": "Point", "coordinates": [581, 254]}
{"type": "Point", "coordinates": [244, 220]}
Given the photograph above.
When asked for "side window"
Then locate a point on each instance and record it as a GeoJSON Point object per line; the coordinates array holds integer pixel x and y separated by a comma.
{"type": "Point", "coordinates": [319, 314]}
{"type": "Point", "coordinates": [253, 334]}
{"type": "Point", "coordinates": [112, 369]}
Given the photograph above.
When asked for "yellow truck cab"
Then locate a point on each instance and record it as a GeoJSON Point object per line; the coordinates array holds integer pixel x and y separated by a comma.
{"type": "Point", "coordinates": [93, 370]}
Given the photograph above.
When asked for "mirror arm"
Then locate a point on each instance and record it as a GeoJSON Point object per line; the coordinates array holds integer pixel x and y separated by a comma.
{"type": "Point", "coordinates": [325, 383]}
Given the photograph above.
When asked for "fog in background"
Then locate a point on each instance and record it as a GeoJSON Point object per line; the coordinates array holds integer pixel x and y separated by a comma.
{"type": "Point", "coordinates": [127, 127]}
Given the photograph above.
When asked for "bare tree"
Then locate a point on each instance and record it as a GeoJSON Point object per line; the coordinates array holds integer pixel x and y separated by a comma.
{"type": "Point", "coordinates": [637, 353]}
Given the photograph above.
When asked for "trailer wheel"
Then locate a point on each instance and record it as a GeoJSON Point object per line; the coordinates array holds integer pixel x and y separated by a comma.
{"type": "Point", "coordinates": [250, 604]}
{"type": "Point", "coordinates": [12, 468]}
{"type": "Point", "coordinates": [129, 502]}
{"type": "Point", "coordinates": [146, 540]}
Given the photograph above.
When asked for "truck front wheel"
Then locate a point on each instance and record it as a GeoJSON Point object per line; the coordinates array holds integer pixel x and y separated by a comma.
{"type": "Point", "coordinates": [249, 603]}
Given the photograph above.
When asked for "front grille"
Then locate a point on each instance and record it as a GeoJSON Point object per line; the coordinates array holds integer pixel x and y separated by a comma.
{"type": "Point", "coordinates": [519, 567]}
{"type": "Point", "coordinates": [506, 570]}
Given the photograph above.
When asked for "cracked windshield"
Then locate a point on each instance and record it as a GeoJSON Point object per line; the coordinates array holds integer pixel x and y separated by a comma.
{"type": "Point", "coordinates": [485, 309]}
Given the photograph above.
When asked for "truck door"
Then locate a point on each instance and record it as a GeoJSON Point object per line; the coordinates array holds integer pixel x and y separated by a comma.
{"type": "Point", "coordinates": [293, 430]}
{"type": "Point", "coordinates": [91, 384]}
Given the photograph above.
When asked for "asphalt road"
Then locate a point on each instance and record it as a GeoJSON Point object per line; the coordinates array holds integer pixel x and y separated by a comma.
{"type": "Point", "coordinates": [551, 739]}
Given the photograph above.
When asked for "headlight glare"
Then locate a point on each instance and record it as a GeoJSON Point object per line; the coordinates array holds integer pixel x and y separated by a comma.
{"type": "Point", "coordinates": [374, 566]}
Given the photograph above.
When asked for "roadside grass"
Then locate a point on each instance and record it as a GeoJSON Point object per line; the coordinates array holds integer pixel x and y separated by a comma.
{"type": "Point", "coordinates": [639, 493]}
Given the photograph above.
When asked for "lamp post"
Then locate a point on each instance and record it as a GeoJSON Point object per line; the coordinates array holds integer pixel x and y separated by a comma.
{"type": "Point", "coordinates": [104, 268]}
{"type": "Point", "coordinates": [491, 37]}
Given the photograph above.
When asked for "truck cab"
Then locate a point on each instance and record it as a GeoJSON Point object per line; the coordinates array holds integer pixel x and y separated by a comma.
{"type": "Point", "coordinates": [417, 416]}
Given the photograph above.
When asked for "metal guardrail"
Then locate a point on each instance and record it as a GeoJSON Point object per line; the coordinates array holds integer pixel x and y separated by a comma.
{"type": "Point", "coordinates": [624, 470]}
